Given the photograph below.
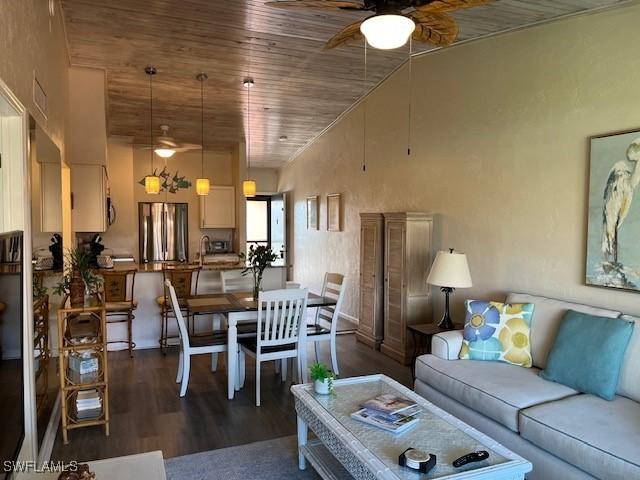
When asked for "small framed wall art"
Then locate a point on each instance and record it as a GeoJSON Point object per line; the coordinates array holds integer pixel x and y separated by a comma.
{"type": "Point", "coordinates": [312, 213]}
{"type": "Point", "coordinates": [334, 220]}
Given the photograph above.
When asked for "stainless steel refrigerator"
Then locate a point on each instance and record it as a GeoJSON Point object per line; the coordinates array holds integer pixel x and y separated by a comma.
{"type": "Point", "coordinates": [164, 232]}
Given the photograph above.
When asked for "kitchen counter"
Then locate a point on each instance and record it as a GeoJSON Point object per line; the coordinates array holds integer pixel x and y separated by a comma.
{"type": "Point", "coordinates": [158, 267]}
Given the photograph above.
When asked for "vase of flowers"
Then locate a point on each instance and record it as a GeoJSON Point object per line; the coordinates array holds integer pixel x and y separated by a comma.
{"type": "Point", "coordinates": [79, 278]}
{"type": "Point", "coordinates": [259, 258]}
{"type": "Point", "coordinates": [322, 379]}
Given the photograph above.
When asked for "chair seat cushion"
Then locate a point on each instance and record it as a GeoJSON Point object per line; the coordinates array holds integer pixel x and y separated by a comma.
{"type": "Point", "coordinates": [181, 301]}
{"type": "Point", "coordinates": [216, 338]}
{"type": "Point", "coordinates": [316, 330]}
{"type": "Point", "coordinates": [494, 389]}
{"type": "Point", "coordinates": [112, 307]}
{"type": "Point", "coordinates": [251, 344]}
{"type": "Point", "coordinates": [601, 437]}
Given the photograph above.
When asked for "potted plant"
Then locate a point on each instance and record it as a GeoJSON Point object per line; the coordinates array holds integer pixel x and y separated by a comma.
{"type": "Point", "coordinates": [78, 278]}
{"type": "Point", "coordinates": [259, 258]}
{"type": "Point", "coordinates": [322, 379]}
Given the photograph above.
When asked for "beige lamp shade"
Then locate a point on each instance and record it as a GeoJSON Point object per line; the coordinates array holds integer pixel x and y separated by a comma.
{"type": "Point", "coordinates": [152, 184]}
{"type": "Point", "coordinates": [202, 186]}
{"type": "Point", "coordinates": [450, 269]}
{"type": "Point", "coordinates": [249, 188]}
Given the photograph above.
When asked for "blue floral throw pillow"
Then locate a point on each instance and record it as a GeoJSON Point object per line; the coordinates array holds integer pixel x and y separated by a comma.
{"type": "Point", "coordinates": [497, 332]}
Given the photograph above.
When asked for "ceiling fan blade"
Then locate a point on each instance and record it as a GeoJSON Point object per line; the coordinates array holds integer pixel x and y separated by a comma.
{"type": "Point", "coordinates": [446, 6]}
{"type": "Point", "coordinates": [167, 142]}
{"type": "Point", "coordinates": [185, 147]}
{"type": "Point", "coordinates": [319, 4]}
{"type": "Point", "coordinates": [435, 28]}
{"type": "Point", "coordinates": [348, 34]}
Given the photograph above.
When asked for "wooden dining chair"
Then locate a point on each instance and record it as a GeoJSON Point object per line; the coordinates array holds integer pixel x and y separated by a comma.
{"type": "Point", "coordinates": [193, 344]}
{"type": "Point", "coordinates": [325, 326]}
{"type": "Point", "coordinates": [281, 332]}
{"type": "Point", "coordinates": [119, 303]}
{"type": "Point", "coordinates": [185, 283]}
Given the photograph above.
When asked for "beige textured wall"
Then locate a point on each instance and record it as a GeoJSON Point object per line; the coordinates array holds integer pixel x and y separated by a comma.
{"type": "Point", "coordinates": [33, 43]}
{"type": "Point", "coordinates": [499, 153]}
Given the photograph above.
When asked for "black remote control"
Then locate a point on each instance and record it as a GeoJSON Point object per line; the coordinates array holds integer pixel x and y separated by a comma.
{"type": "Point", "coordinates": [471, 457]}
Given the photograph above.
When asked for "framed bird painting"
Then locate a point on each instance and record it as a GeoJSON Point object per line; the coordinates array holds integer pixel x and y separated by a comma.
{"type": "Point", "coordinates": [613, 239]}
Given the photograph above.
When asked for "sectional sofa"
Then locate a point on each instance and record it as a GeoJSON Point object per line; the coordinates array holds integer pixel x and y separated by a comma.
{"type": "Point", "coordinates": [564, 433]}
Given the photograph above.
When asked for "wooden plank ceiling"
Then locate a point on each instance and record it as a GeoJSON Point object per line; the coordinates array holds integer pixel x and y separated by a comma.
{"type": "Point", "coordinates": [299, 87]}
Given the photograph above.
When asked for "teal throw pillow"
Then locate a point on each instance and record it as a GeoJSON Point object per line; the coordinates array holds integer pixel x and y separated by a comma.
{"type": "Point", "coordinates": [588, 353]}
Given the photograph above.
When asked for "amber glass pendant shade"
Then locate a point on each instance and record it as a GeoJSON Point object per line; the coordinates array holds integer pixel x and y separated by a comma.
{"type": "Point", "coordinates": [152, 184]}
{"type": "Point", "coordinates": [249, 188]}
{"type": "Point", "coordinates": [202, 186]}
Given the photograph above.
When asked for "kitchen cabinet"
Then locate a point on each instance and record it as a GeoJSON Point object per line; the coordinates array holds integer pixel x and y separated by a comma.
{"type": "Point", "coordinates": [11, 170]}
{"type": "Point", "coordinates": [218, 209]}
{"type": "Point", "coordinates": [89, 198]}
{"type": "Point", "coordinates": [407, 259]}
{"type": "Point", "coordinates": [371, 315]}
{"type": "Point", "coordinates": [51, 193]}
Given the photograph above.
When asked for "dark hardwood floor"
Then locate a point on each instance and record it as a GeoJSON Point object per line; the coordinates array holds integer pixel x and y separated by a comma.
{"type": "Point", "coordinates": [147, 413]}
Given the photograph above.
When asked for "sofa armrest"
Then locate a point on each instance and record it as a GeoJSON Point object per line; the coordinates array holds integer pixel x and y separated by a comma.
{"type": "Point", "coordinates": [447, 345]}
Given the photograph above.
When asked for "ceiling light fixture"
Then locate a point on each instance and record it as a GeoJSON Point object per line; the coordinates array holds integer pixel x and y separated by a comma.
{"type": "Point", "coordinates": [151, 181]}
{"type": "Point", "coordinates": [202, 184]}
{"type": "Point", "coordinates": [248, 186]}
{"type": "Point", "coordinates": [165, 152]}
{"type": "Point", "coordinates": [388, 31]}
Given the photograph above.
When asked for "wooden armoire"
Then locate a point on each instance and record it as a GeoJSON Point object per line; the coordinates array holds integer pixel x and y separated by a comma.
{"type": "Point", "coordinates": [371, 315]}
{"type": "Point", "coordinates": [407, 260]}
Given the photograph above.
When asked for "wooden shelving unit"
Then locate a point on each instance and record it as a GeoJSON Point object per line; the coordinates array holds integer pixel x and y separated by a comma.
{"type": "Point", "coordinates": [88, 324]}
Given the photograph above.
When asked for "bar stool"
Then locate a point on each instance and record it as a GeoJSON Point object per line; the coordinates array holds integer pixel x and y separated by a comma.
{"type": "Point", "coordinates": [119, 302]}
{"type": "Point", "coordinates": [185, 283]}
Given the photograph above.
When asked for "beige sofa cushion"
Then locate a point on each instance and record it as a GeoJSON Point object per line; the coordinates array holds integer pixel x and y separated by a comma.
{"type": "Point", "coordinates": [601, 437]}
{"type": "Point", "coordinates": [629, 383]}
{"type": "Point", "coordinates": [496, 390]}
{"type": "Point", "coordinates": [547, 314]}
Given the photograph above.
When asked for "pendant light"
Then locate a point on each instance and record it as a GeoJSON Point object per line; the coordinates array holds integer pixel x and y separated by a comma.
{"type": "Point", "coordinates": [248, 186]}
{"type": "Point", "coordinates": [151, 181]}
{"type": "Point", "coordinates": [388, 31]}
{"type": "Point", "coordinates": [202, 184]}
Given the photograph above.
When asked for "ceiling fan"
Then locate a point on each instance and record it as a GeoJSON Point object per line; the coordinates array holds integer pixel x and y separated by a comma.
{"type": "Point", "coordinates": [165, 146]}
{"type": "Point", "coordinates": [393, 21]}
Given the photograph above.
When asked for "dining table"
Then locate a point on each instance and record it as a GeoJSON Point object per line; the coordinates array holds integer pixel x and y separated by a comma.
{"type": "Point", "coordinates": [234, 308]}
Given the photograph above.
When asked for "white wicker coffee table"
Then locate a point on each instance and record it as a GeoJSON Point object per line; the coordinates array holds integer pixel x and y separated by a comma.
{"type": "Point", "coordinates": [346, 448]}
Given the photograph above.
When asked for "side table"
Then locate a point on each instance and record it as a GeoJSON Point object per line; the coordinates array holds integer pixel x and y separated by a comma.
{"type": "Point", "coordinates": [421, 334]}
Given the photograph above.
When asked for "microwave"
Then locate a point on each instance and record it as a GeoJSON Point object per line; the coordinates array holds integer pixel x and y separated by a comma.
{"type": "Point", "coordinates": [220, 246]}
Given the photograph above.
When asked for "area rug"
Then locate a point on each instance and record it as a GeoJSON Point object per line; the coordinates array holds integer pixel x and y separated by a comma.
{"type": "Point", "coordinates": [271, 459]}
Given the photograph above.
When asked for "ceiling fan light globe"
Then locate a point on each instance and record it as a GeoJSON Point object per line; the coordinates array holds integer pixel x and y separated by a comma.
{"type": "Point", "coordinates": [165, 152]}
{"type": "Point", "coordinates": [386, 32]}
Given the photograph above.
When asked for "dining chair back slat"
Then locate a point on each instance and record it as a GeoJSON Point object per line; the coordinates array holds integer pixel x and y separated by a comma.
{"type": "Point", "coordinates": [182, 326]}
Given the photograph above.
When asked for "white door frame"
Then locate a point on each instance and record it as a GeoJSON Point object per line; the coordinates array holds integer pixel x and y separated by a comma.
{"type": "Point", "coordinates": [29, 446]}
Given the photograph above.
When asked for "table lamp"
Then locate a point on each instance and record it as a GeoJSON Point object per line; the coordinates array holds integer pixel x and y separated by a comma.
{"type": "Point", "coordinates": [449, 271]}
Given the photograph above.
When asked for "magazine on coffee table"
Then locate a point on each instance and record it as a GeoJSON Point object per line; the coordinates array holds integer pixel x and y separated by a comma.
{"type": "Point", "coordinates": [395, 423]}
{"type": "Point", "coordinates": [389, 404]}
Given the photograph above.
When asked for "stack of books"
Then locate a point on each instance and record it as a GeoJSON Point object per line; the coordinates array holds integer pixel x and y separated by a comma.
{"type": "Point", "coordinates": [88, 404]}
{"type": "Point", "coordinates": [83, 367]}
{"type": "Point", "coordinates": [389, 412]}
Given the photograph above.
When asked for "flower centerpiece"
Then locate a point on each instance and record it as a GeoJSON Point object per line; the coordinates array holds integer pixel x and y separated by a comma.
{"type": "Point", "coordinates": [78, 278]}
{"type": "Point", "coordinates": [322, 379]}
{"type": "Point", "coordinates": [259, 258]}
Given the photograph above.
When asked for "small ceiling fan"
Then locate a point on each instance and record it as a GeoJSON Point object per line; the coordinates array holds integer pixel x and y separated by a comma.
{"type": "Point", "coordinates": [393, 21]}
{"type": "Point", "coordinates": [165, 146]}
